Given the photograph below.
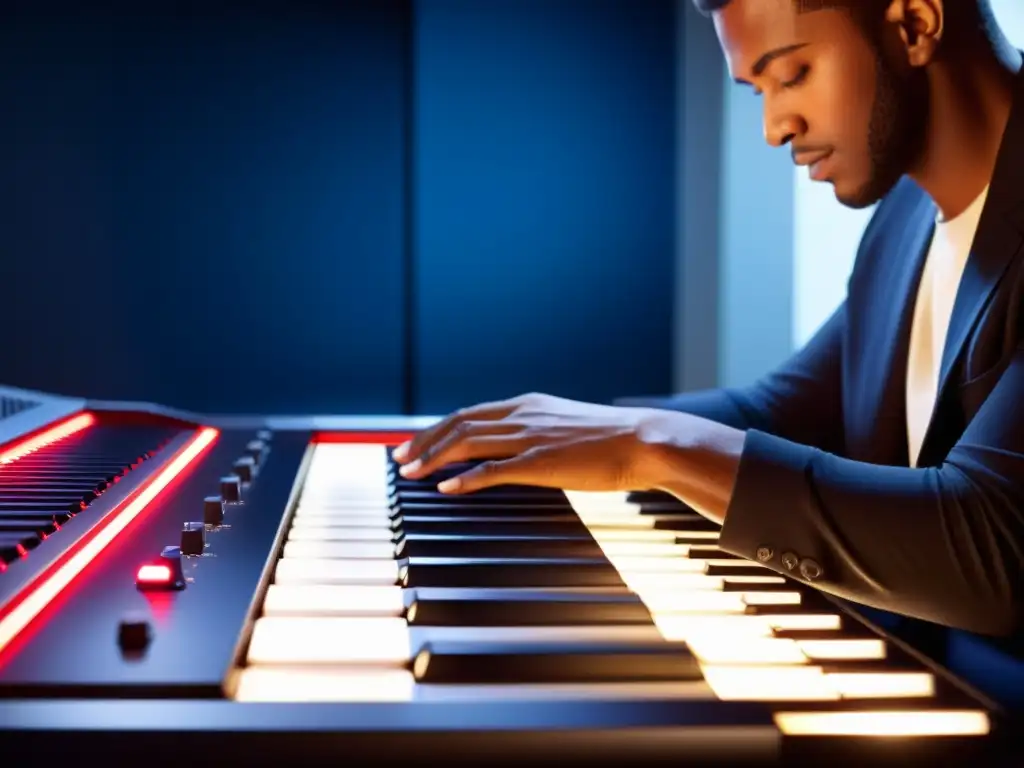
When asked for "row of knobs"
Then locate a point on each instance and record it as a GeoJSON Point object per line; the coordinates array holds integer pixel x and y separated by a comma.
{"type": "Point", "coordinates": [244, 470]}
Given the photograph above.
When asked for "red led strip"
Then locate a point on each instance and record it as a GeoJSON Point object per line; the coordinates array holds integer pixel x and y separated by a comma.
{"type": "Point", "coordinates": [19, 612]}
{"type": "Point", "coordinates": [373, 438]}
{"type": "Point", "coordinates": [58, 431]}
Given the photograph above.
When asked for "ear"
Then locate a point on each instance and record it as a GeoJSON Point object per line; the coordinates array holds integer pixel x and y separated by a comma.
{"type": "Point", "coordinates": [921, 24]}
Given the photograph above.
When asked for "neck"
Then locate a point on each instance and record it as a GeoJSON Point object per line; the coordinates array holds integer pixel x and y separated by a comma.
{"type": "Point", "coordinates": [971, 92]}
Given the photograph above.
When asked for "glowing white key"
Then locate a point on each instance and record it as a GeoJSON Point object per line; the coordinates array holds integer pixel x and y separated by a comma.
{"type": "Point", "coordinates": [771, 683]}
{"type": "Point", "coordinates": [356, 550]}
{"type": "Point", "coordinates": [340, 533]}
{"type": "Point", "coordinates": [889, 723]}
{"type": "Point", "coordinates": [772, 598]}
{"type": "Point", "coordinates": [327, 600]}
{"type": "Point", "coordinates": [883, 685]}
{"type": "Point", "coordinates": [804, 620]}
{"type": "Point", "coordinates": [362, 520]}
{"type": "Point", "coordinates": [330, 640]}
{"type": "Point", "coordinates": [643, 549]}
{"type": "Point", "coordinates": [682, 627]}
{"type": "Point", "coordinates": [604, 534]}
{"type": "Point", "coordinates": [265, 684]}
{"type": "Point", "coordinates": [715, 648]}
{"type": "Point", "coordinates": [302, 571]}
{"type": "Point", "coordinates": [843, 648]}
{"type": "Point", "coordinates": [636, 565]}
{"type": "Point", "coordinates": [694, 601]}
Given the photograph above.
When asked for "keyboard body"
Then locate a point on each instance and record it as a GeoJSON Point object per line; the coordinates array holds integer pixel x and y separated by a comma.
{"type": "Point", "coordinates": [265, 589]}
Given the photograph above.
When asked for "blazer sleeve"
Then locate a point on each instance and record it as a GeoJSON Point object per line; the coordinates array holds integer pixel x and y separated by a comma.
{"type": "Point", "coordinates": [944, 544]}
{"type": "Point", "coordinates": [801, 400]}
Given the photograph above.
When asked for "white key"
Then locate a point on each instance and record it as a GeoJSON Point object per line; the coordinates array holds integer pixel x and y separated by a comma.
{"type": "Point", "coordinates": [330, 640]}
{"type": "Point", "coordinates": [331, 600]}
{"type": "Point", "coordinates": [357, 550]}
{"type": "Point", "coordinates": [340, 533]}
{"type": "Point", "coordinates": [307, 571]}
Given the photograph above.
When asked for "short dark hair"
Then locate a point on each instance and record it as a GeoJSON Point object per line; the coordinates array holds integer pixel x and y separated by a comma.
{"type": "Point", "coordinates": [803, 6]}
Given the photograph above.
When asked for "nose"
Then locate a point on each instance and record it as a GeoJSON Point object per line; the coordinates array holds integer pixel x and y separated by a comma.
{"type": "Point", "coordinates": [780, 128]}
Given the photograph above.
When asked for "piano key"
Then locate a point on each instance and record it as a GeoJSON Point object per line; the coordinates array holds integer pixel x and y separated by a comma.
{"type": "Point", "coordinates": [523, 663]}
{"type": "Point", "coordinates": [510, 573]}
{"type": "Point", "coordinates": [496, 526]}
{"type": "Point", "coordinates": [381, 641]}
{"type": "Point", "coordinates": [336, 571]}
{"type": "Point", "coordinates": [492, 547]}
{"type": "Point", "coordinates": [334, 600]}
{"type": "Point", "coordinates": [497, 509]}
{"type": "Point", "coordinates": [539, 612]}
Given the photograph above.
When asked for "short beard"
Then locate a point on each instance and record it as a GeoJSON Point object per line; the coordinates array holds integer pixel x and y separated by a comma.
{"type": "Point", "coordinates": [896, 129]}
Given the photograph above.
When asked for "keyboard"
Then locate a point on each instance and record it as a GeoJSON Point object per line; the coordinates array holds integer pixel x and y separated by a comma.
{"type": "Point", "coordinates": [272, 589]}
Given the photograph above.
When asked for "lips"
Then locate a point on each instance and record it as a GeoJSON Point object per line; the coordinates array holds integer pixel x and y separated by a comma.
{"type": "Point", "coordinates": [817, 162]}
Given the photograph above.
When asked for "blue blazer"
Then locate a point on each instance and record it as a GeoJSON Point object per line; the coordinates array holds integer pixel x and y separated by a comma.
{"type": "Point", "coordinates": [825, 493]}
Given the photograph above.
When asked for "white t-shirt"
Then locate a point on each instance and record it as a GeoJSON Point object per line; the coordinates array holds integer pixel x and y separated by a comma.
{"type": "Point", "coordinates": [940, 279]}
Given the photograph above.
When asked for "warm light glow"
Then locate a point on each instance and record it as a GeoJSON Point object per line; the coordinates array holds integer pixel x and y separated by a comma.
{"type": "Point", "coordinates": [301, 571]}
{"type": "Point", "coordinates": [39, 594]}
{"type": "Point", "coordinates": [682, 627]}
{"type": "Point", "coordinates": [613, 549]}
{"type": "Point", "coordinates": [714, 648]}
{"type": "Point", "coordinates": [51, 435]}
{"type": "Point", "coordinates": [771, 598]}
{"type": "Point", "coordinates": [324, 685]}
{"type": "Point", "coordinates": [769, 683]}
{"type": "Point", "coordinates": [356, 550]}
{"type": "Point", "coordinates": [893, 723]}
{"type": "Point", "coordinates": [153, 574]}
{"type": "Point", "coordinates": [330, 640]}
{"type": "Point", "coordinates": [603, 534]}
{"type": "Point", "coordinates": [326, 600]}
{"type": "Point", "coordinates": [840, 648]}
{"type": "Point", "coordinates": [804, 620]}
{"type": "Point", "coordinates": [870, 685]}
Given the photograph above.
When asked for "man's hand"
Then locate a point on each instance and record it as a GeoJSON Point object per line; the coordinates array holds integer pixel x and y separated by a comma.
{"type": "Point", "coordinates": [545, 441]}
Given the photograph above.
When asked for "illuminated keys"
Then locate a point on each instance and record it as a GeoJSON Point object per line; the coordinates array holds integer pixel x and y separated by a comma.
{"type": "Point", "coordinates": [330, 641]}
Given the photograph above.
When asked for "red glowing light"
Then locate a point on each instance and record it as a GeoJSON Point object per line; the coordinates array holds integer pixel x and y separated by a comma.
{"type": "Point", "coordinates": [50, 435]}
{"type": "Point", "coordinates": [25, 606]}
{"type": "Point", "coordinates": [153, 574]}
{"type": "Point", "coordinates": [373, 438]}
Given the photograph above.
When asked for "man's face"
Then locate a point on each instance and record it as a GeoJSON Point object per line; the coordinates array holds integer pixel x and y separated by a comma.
{"type": "Point", "coordinates": [844, 98]}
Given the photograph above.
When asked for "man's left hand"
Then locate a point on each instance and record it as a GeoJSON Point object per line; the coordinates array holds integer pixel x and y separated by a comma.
{"type": "Point", "coordinates": [546, 441]}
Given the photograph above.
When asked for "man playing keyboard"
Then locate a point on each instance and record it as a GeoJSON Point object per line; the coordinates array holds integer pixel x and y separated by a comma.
{"type": "Point", "coordinates": [884, 461]}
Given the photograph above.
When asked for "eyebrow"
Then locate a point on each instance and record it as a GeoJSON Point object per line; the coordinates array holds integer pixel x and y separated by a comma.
{"type": "Point", "coordinates": [762, 63]}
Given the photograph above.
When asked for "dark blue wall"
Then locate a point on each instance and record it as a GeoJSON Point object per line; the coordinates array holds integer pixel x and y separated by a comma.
{"type": "Point", "coordinates": [211, 208]}
{"type": "Point", "coordinates": [544, 189]}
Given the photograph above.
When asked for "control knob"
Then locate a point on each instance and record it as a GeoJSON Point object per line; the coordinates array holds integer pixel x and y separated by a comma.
{"type": "Point", "coordinates": [193, 539]}
{"type": "Point", "coordinates": [231, 489]}
{"type": "Point", "coordinates": [245, 469]}
{"type": "Point", "coordinates": [213, 510]}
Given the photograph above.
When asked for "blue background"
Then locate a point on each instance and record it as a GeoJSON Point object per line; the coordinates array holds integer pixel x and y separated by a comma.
{"type": "Point", "coordinates": [337, 207]}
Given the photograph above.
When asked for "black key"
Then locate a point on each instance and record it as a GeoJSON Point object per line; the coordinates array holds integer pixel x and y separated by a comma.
{"type": "Point", "coordinates": [510, 573]}
{"type": "Point", "coordinates": [532, 525]}
{"type": "Point", "coordinates": [685, 521]}
{"type": "Point", "coordinates": [625, 610]}
{"type": "Point", "coordinates": [472, 499]}
{"type": "Point", "coordinates": [707, 552]}
{"type": "Point", "coordinates": [552, 663]}
{"type": "Point", "coordinates": [741, 568]}
{"type": "Point", "coordinates": [16, 545]}
{"type": "Point", "coordinates": [420, 509]}
{"type": "Point", "coordinates": [480, 547]}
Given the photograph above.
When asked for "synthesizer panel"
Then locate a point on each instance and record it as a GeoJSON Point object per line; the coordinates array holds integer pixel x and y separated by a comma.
{"type": "Point", "coordinates": [272, 589]}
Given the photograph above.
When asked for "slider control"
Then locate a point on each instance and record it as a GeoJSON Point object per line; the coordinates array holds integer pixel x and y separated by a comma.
{"type": "Point", "coordinates": [231, 489]}
{"type": "Point", "coordinates": [213, 510]}
{"type": "Point", "coordinates": [193, 539]}
{"type": "Point", "coordinates": [245, 468]}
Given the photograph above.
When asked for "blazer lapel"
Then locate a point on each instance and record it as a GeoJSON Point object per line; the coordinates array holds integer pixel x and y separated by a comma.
{"type": "Point", "coordinates": [998, 239]}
